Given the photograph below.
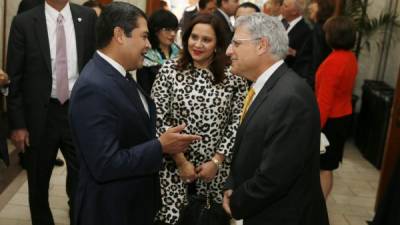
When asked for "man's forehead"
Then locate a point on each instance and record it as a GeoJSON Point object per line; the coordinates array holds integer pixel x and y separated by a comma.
{"type": "Point", "coordinates": [241, 32]}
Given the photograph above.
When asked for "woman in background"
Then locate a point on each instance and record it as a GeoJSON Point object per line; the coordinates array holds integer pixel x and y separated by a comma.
{"type": "Point", "coordinates": [334, 88]}
{"type": "Point", "coordinates": [163, 26]}
{"type": "Point", "coordinates": [198, 89]}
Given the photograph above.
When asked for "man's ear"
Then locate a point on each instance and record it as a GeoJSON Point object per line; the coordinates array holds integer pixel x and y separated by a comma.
{"type": "Point", "coordinates": [119, 35]}
{"type": "Point", "coordinates": [263, 46]}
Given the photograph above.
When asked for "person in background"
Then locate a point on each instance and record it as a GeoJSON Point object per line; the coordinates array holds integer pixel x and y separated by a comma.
{"type": "Point", "coordinates": [274, 177]}
{"type": "Point", "coordinates": [23, 6]}
{"type": "Point", "coordinates": [273, 8]}
{"type": "Point", "coordinates": [226, 9]}
{"type": "Point", "coordinates": [334, 85]}
{"type": "Point", "coordinates": [296, 28]}
{"type": "Point", "coordinates": [315, 50]}
{"type": "Point", "coordinates": [4, 82]}
{"type": "Point", "coordinates": [203, 6]}
{"type": "Point", "coordinates": [94, 4]}
{"type": "Point", "coordinates": [163, 26]}
{"type": "Point", "coordinates": [198, 89]}
{"type": "Point", "coordinates": [113, 127]}
{"type": "Point", "coordinates": [246, 9]}
{"type": "Point", "coordinates": [48, 47]}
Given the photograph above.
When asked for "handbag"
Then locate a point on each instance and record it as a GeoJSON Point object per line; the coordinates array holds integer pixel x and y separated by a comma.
{"type": "Point", "coordinates": [201, 210]}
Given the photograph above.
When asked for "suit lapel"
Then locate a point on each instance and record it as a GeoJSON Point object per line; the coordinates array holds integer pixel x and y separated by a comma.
{"type": "Point", "coordinates": [260, 98]}
{"type": "Point", "coordinates": [79, 34]}
{"type": "Point", "coordinates": [42, 36]}
{"type": "Point", "coordinates": [131, 92]}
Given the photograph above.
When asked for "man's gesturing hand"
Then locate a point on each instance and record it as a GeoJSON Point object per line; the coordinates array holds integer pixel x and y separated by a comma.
{"type": "Point", "coordinates": [172, 141]}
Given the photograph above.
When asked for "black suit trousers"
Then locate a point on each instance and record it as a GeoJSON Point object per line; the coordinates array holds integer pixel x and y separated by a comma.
{"type": "Point", "coordinates": [41, 161]}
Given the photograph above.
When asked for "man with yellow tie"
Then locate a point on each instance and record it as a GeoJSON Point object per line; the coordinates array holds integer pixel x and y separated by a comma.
{"type": "Point", "coordinates": [274, 177]}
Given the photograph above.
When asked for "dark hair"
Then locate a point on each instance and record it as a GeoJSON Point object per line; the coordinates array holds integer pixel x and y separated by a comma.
{"type": "Point", "coordinates": [116, 14]}
{"type": "Point", "coordinates": [92, 4]}
{"type": "Point", "coordinates": [158, 20]}
{"type": "Point", "coordinates": [203, 3]}
{"type": "Point", "coordinates": [219, 2]}
{"type": "Point", "coordinates": [326, 9]}
{"type": "Point", "coordinates": [340, 32]}
{"type": "Point", "coordinates": [220, 60]}
{"type": "Point", "coordinates": [249, 5]}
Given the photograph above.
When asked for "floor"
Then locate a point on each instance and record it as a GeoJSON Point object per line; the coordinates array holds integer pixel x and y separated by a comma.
{"type": "Point", "coordinates": [351, 202]}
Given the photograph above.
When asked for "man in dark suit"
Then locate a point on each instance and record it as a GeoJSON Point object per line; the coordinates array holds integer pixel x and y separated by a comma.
{"type": "Point", "coordinates": [4, 81]}
{"type": "Point", "coordinates": [113, 127]}
{"type": "Point", "coordinates": [26, 5]}
{"type": "Point", "coordinates": [203, 6]}
{"type": "Point", "coordinates": [274, 177]}
{"type": "Point", "coordinates": [296, 28]}
{"type": "Point", "coordinates": [48, 46]}
{"type": "Point", "coordinates": [226, 9]}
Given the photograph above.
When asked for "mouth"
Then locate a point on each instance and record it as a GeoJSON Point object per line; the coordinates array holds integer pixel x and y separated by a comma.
{"type": "Point", "coordinates": [197, 52]}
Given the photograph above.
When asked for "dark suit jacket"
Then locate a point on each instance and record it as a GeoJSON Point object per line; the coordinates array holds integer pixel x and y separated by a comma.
{"type": "Point", "coordinates": [29, 66]}
{"type": "Point", "coordinates": [313, 53]}
{"type": "Point", "coordinates": [118, 152]}
{"type": "Point", "coordinates": [227, 32]}
{"type": "Point", "coordinates": [25, 5]}
{"type": "Point", "coordinates": [275, 169]}
{"type": "Point", "coordinates": [187, 18]}
{"type": "Point", "coordinates": [298, 35]}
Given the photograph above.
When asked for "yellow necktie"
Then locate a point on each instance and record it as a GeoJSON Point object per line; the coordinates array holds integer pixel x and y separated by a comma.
{"type": "Point", "coordinates": [247, 101]}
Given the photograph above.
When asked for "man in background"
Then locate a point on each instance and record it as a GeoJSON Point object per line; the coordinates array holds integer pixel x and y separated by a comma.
{"type": "Point", "coordinates": [296, 27]}
{"type": "Point", "coordinates": [273, 8]}
{"type": "Point", "coordinates": [226, 9]}
{"type": "Point", "coordinates": [246, 9]}
{"type": "Point", "coordinates": [48, 47]}
{"type": "Point", "coordinates": [203, 6]}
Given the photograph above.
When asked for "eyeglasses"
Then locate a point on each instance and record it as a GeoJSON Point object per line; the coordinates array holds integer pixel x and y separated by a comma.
{"type": "Point", "coordinates": [237, 42]}
{"type": "Point", "coordinates": [168, 29]}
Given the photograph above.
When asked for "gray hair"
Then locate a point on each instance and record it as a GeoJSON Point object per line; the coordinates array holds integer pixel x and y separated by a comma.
{"type": "Point", "coordinates": [260, 25]}
{"type": "Point", "coordinates": [300, 5]}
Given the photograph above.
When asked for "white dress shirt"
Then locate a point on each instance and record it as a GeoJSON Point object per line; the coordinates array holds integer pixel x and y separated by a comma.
{"type": "Point", "coordinates": [72, 56]}
{"type": "Point", "coordinates": [293, 23]}
{"type": "Point", "coordinates": [261, 80]}
{"type": "Point", "coordinates": [122, 71]}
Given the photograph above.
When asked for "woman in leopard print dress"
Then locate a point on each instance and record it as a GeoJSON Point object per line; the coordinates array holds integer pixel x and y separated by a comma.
{"type": "Point", "coordinates": [197, 89]}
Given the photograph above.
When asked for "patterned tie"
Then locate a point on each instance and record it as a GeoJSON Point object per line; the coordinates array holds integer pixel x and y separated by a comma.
{"type": "Point", "coordinates": [247, 101]}
{"type": "Point", "coordinates": [61, 69]}
{"type": "Point", "coordinates": [285, 24]}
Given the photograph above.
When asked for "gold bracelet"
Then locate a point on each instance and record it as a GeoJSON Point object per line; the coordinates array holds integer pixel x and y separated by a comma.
{"type": "Point", "coordinates": [216, 162]}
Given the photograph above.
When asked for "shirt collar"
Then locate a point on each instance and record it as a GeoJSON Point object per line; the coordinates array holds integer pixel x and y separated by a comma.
{"type": "Point", "coordinates": [293, 23]}
{"type": "Point", "coordinates": [113, 63]}
{"type": "Point", "coordinates": [53, 13]}
{"type": "Point", "coordinates": [261, 80]}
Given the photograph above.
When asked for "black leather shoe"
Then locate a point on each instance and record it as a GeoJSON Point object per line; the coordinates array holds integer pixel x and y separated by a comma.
{"type": "Point", "coordinates": [58, 162]}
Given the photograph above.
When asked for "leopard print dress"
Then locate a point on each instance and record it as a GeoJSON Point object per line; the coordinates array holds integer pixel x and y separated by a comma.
{"type": "Point", "coordinates": [209, 110]}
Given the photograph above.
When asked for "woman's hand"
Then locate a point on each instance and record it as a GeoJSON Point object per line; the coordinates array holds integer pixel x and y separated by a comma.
{"type": "Point", "coordinates": [207, 171]}
{"type": "Point", "coordinates": [187, 172]}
